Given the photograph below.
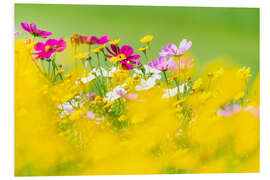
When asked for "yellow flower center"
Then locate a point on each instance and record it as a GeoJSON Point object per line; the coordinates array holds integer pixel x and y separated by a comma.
{"type": "Point", "coordinates": [48, 48]}
{"type": "Point", "coordinates": [118, 58]}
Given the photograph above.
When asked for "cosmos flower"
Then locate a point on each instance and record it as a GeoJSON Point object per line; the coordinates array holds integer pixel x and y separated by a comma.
{"type": "Point", "coordinates": [76, 39]}
{"type": "Point", "coordinates": [229, 110]}
{"type": "Point", "coordinates": [124, 55]}
{"type": "Point", "coordinates": [172, 50]}
{"type": "Point", "coordinates": [185, 64]}
{"type": "Point", "coordinates": [160, 63]}
{"type": "Point", "coordinates": [115, 42]}
{"type": "Point", "coordinates": [152, 76]}
{"type": "Point", "coordinates": [172, 92]}
{"type": "Point", "coordinates": [146, 39]}
{"type": "Point", "coordinates": [45, 50]}
{"type": "Point", "coordinates": [143, 49]}
{"type": "Point", "coordinates": [32, 29]}
{"type": "Point", "coordinates": [117, 92]}
{"type": "Point", "coordinates": [95, 40]}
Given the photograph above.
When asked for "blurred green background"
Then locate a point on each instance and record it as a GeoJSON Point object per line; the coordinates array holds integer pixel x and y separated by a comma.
{"type": "Point", "coordinates": [215, 32]}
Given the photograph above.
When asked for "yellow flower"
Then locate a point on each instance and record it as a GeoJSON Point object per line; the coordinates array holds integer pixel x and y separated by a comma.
{"type": "Point", "coordinates": [75, 115]}
{"type": "Point", "coordinates": [120, 76]}
{"type": "Point", "coordinates": [115, 42]}
{"type": "Point", "coordinates": [118, 58]}
{"type": "Point", "coordinates": [244, 73]}
{"type": "Point", "coordinates": [197, 84]}
{"type": "Point", "coordinates": [179, 102]}
{"type": "Point", "coordinates": [205, 95]}
{"type": "Point", "coordinates": [60, 71]}
{"type": "Point", "coordinates": [239, 95]}
{"type": "Point", "coordinates": [81, 56]}
{"type": "Point", "coordinates": [109, 104]}
{"type": "Point", "coordinates": [218, 73]}
{"type": "Point", "coordinates": [146, 39]}
{"type": "Point", "coordinates": [122, 118]}
{"type": "Point", "coordinates": [143, 49]}
{"type": "Point", "coordinates": [97, 50]}
{"type": "Point", "coordinates": [177, 110]}
{"type": "Point", "coordinates": [98, 100]}
{"type": "Point", "coordinates": [102, 47]}
{"type": "Point", "coordinates": [173, 76]}
{"type": "Point", "coordinates": [68, 76]}
{"type": "Point", "coordinates": [29, 44]}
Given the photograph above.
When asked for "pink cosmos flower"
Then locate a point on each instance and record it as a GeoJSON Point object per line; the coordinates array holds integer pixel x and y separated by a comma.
{"type": "Point", "coordinates": [121, 92]}
{"type": "Point", "coordinates": [95, 40]}
{"type": "Point", "coordinates": [172, 50]}
{"type": "Point", "coordinates": [253, 110]}
{"type": "Point", "coordinates": [127, 51]}
{"type": "Point", "coordinates": [229, 110]}
{"type": "Point", "coordinates": [45, 50]}
{"type": "Point", "coordinates": [16, 32]}
{"type": "Point", "coordinates": [185, 64]}
{"type": "Point", "coordinates": [69, 110]}
{"type": "Point", "coordinates": [132, 96]}
{"type": "Point", "coordinates": [32, 29]}
{"type": "Point", "coordinates": [90, 115]}
{"type": "Point", "coordinates": [160, 63]}
{"type": "Point", "coordinates": [91, 96]}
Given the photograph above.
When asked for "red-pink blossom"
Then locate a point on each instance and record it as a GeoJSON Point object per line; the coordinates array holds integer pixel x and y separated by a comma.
{"type": "Point", "coordinates": [45, 50]}
{"type": "Point", "coordinates": [32, 29]}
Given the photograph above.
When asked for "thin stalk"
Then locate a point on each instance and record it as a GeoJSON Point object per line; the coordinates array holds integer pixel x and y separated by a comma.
{"type": "Point", "coordinates": [150, 49]}
{"type": "Point", "coordinates": [178, 89]}
{"type": "Point", "coordinates": [49, 69]}
{"type": "Point", "coordinates": [147, 60]}
{"type": "Point", "coordinates": [164, 72]}
{"type": "Point", "coordinates": [102, 76]}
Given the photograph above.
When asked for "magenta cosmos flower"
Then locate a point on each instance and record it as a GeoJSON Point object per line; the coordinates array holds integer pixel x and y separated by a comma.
{"type": "Point", "coordinates": [172, 50]}
{"type": "Point", "coordinates": [32, 29]}
{"type": "Point", "coordinates": [160, 63]}
{"type": "Point", "coordinates": [125, 52]}
{"type": "Point", "coordinates": [95, 40]}
{"type": "Point", "coordinates": [45, 50]}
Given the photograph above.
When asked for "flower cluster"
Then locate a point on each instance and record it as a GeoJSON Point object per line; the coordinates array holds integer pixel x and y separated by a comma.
{"type": "Point", "coordinates": [116, 111]}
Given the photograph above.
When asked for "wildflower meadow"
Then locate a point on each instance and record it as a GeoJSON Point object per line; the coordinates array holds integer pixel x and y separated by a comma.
{"type": "Point", "coordinates": [117, 108]}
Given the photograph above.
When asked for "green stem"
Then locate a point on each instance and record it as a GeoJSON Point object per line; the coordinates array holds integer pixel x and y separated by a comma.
{"type": "Point", "coordinates": [147, 60]}
{"type": "Point", "coordinates": [177, 85]}
{"type": "Point", "coordinates": [89, 49]}
{"type": "Point", "coordinates": [102, 76]}
{"type": "Point", "coordinates": [150, 49]}
{"type": "Point", "coordinates": [164, 72]}
{"type": "Point", "coordinates": [49, 69]}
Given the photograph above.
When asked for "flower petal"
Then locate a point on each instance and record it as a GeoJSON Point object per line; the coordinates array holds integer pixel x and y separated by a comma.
{"type": "Point", "coordinates": [26, 27]}
{"type": "Point", "coordinates": [127, 50]}
{"type": "Point", "coordinates": [33, 28]}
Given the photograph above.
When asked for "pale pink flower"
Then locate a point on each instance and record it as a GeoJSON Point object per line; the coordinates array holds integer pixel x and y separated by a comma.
{"type": "Point", "coordinates": [185, 64]}
{"type": "Point", "coordinates": [229, 110]}
{"type": "Point", "coordinates": [90, 115]}
{"type": "Point", "coordinates": [160, 63]}
{"type": "Point", "coordinates": [173, 50]}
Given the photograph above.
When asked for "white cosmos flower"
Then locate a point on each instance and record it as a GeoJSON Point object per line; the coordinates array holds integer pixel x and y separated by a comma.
{"type": "Point", "coordinates": [151, 81]}
{"type": "Point", "coordinates": [117, 92]}
{"type": "Point", "coordinates": [173, 92]}
{"type": "Point", "coordinates": [88, 79]}
{"type": "Point", "coordinates": [92, 75]}
{"type": "Point", "coordinates": [114, 69]}
{"type": "Point", "coordinates": [97, 72]}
